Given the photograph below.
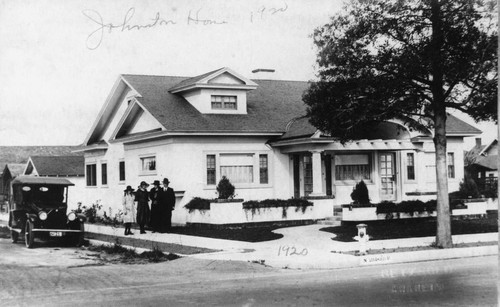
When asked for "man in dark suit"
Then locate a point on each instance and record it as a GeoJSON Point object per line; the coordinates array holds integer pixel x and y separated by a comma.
{"type": "Point", "coordinates": [157, 211]}
{"type": "Point", "coordinates": [167, 203]}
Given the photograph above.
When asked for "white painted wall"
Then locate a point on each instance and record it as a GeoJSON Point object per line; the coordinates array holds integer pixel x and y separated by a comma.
{"type": "Point", "coordinates": [183, 161]}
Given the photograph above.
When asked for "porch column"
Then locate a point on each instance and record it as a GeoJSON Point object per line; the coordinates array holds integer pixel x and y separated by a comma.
{"type": "Point", "coordinates": [316, 174]}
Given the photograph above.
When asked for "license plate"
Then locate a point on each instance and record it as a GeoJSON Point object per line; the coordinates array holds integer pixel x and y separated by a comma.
{"type": "Point", "coordinates": [55, 234]}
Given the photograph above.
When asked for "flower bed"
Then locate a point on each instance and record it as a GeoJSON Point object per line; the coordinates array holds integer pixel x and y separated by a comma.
{"type": "Point", "coordinates": [411, 209]}
{"type": "Point", "coordinates": [269, 210]}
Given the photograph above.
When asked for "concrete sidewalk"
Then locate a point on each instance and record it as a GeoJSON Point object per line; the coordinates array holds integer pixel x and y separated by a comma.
{"type": "Point", "coordinates": [306, 247]}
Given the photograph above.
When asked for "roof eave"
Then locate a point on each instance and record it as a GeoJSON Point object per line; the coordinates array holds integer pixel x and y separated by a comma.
{"type": "Point", "coordinates": [195, 86]}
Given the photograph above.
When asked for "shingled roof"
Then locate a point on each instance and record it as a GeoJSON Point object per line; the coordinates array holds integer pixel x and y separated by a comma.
{"type": "Point", "coordinates": [59, 165]}
{"type": "Point", "coordinates": [20, 154]}
{"type": "Point", "coordinates": [269, 107]}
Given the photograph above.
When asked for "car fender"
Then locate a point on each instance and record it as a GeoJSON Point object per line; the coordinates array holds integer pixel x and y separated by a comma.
{"type": "Point", "coordinates": [32, 217]}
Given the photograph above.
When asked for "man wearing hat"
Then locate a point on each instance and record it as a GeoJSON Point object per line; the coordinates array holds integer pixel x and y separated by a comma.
{"type": "Point", "coordinates": [142, 199]}
{"type": "Point", "coordinates": [156, 210]}
{"type": "Point", "coordinates": [167, 199]}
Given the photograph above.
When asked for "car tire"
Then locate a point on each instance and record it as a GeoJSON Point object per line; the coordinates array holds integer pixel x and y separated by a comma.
{"type": "Point", "coordinates": [14, 235]}
{"type": "Point", "coordinates": [29, 235]}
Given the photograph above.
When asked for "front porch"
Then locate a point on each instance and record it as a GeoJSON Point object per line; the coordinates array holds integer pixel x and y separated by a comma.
{"type": "Point", "coordinates": [387, 163]}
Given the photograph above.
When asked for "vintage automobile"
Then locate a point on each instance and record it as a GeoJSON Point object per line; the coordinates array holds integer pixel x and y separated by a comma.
{"type": "Point", "coordinates": [38, 209]}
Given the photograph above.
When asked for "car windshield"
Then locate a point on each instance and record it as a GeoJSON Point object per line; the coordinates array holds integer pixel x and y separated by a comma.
{"type": "Point", "coordinates": [44, 195]}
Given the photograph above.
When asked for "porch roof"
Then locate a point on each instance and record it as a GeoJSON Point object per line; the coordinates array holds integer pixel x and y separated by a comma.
{"type": "Point", "coordinates": [328, 144]}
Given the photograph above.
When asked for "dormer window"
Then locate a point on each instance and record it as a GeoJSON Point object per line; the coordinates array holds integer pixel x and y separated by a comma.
{"type": "Point", "coordinates": [223, 102]}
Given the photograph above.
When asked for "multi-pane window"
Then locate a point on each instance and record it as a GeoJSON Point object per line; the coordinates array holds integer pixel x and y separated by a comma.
{"type": "Point", "coordinates": [308, 175]}
{"type": "Point", "coordinates": [148, 164]}
{"type": "Point", "coordinates": [247, 169]}
{"type": "Point", "coordinates": [104, 174]}
{"type": "Point", "coordinates": [223, 102]}
{"type": "Point", "coordinates": [263, 169]}
{"type": "Point", "coordinates": [91, 175]}
{"type": "Point", "coordinates": [451, 165]}
{"type": "Point", "coordinates": [352, 167]}
{"type": "Point", "coordinates": [238, 168]}
{"type": "Point", "coordinates": [211, 169]}
{"type": "Point", "coordinates": [410, 166]}
{"type": "Point", "coordinates": [121, 167]}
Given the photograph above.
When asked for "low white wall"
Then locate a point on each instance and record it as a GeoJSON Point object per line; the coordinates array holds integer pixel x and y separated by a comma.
{"type": "Point", "coordinates": [369, 213]}
{"type": "Point", "coordinates": [233, 213]}
{"type": "Point", "coordinates": [476, 207]}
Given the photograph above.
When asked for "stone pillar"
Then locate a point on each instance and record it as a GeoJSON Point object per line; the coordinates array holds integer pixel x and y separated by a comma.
{"type": "Point", "coordinates": [316, 172]}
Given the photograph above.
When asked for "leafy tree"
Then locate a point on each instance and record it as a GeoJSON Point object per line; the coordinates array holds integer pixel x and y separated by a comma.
{"type": "Point", "coordinates": [408, 60]}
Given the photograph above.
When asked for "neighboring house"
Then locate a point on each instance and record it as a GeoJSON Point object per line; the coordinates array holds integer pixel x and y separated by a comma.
{"type": "Point", "coordinates": [10, 155]}
{"type": "Point", "coordinates": [196, 130]}
{"type": "Point", "coordinates": [483, 166]}
{"type": "Point", "coordinates": [10, 171]}
{"type": "Point", "coordinates": [69, 167]}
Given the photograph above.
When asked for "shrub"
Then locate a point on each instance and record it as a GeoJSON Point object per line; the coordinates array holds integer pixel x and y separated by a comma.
{"type": "Point", "coordinates": [198, 203]}
{"type": "Point", "coordinates": [386, 207]}
{"type": "Point", "coordinates": [411, 206]}
{"type": "Point", "coordinates": [225, 189]}
{"type": "Point", "coordinates": [468, 188]}
{"type": "Point", "coordinates": [298, 203]}
{"type": "Point", "coordinates": [89, 212]}
{"type": "Point", "coordinates": [360, 194]}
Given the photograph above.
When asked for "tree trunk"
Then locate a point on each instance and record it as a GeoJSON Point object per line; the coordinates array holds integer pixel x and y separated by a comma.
{"type": "Point", "coordinates": [443, 234]}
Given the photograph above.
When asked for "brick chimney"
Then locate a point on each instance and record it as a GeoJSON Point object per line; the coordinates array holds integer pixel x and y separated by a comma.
{"type": "Point", "coordinates": [478, 142]}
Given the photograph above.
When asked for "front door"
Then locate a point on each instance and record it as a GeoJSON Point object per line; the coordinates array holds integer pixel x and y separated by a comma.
{"type": "Point", "coordinates": [387, 176]}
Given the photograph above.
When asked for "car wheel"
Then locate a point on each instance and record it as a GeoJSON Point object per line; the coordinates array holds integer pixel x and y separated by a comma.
{"type": "Point", "coordinates": [14, 236]}
{"type": "Point", "coordinates": [29, 235]}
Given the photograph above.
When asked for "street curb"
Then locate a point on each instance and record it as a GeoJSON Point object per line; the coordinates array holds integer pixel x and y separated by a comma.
{"type": "Point", "coordinates": [428, 255]}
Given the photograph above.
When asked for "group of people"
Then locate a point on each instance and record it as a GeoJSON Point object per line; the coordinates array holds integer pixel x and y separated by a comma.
{"type": "Point", "coordinates": [159, 217]}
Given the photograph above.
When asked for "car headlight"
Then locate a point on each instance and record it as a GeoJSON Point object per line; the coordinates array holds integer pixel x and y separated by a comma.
{"type": "Point", "coordinates": [42, 215]}
{"type": "Point", "coordinates": [71, 216]}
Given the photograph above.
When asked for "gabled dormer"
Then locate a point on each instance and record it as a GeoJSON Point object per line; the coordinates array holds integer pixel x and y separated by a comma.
{"type": "Point", "coordinates": [221, 91]}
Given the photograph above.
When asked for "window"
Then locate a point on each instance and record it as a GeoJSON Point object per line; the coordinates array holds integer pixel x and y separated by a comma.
{"type": "Point", "coordinates": [223, 102]}
{"type": "Point", "coordinates": [121, 167]}
{"type": "Point", "coordinates": [148, 164]}
{"type": "Point", "coordinates": [263, 169]}
{"type": "Point", "coordinates": [410, 166]}
{"type": "Point", "coordinates": [104, 174]}
{"type": "Point", "coordinates": [451, 165]}
{"type": "Point", "coordinates": [211, 169]}
{"type": "Point", "coordinates": [238, 168]}
{"type": "Point", "coordinates": [352, 167]}
{"type": "Point", "coordinates": [308, 175]}
{"type": "Point", "coordinates": [91, 175]}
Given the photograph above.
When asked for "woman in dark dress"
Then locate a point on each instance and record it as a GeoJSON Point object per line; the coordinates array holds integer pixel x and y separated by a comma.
{"type": "Point", "coordinates": [142, 199]}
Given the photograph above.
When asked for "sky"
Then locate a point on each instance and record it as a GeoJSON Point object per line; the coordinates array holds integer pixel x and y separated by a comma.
{"type": "Point", "coordinates": [59, 59]}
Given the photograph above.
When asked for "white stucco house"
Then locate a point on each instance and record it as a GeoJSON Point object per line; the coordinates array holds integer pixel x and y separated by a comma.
{"type": "Point", "coordinates": [196, 130]}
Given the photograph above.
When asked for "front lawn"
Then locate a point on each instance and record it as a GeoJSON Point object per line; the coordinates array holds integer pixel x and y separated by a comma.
{"type": "Point", "coordinates": [247, 234]}
{"type": "Point", "coordinates": [411, 228]}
